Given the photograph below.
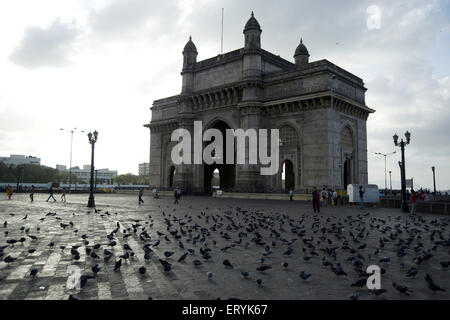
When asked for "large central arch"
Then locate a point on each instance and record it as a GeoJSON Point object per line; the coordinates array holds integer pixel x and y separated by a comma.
{"type": "Point", "coordinates": [227, 172]}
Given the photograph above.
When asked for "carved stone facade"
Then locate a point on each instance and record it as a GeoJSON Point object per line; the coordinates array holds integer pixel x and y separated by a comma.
{"type": "Point", "coordinates": [319, 108]}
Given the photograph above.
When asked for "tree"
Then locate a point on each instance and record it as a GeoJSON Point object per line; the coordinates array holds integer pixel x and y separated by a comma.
{"type": "Point", "coordinates": [129, 178]}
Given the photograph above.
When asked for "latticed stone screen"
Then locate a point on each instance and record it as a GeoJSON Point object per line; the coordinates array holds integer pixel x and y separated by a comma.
{"type": "Point", "coordinates": [288, 136]}
{"type": "Point", "coordinates": [346, 138]}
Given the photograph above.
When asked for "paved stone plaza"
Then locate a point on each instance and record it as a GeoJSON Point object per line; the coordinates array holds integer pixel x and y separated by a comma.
{"type": "Point", "coordinates": [246, 227]}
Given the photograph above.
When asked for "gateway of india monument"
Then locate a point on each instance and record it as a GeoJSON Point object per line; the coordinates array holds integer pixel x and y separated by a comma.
{"type": "Point", "coordinates": [318, 107]}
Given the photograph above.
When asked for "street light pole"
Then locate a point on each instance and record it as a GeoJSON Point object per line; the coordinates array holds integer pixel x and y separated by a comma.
{"type": "Point", "coordinates": [402, 145]}
{"type": "Point", "coordinates": [434, 179]}
{"type": "Point", "coordinates": [92, 140]}
{"type": "Point", "coordinates": [385, 175]}
{"type": "Point", "coordinates": [71, 143]}
{"type": "Point", "coordinates": [390, 180]}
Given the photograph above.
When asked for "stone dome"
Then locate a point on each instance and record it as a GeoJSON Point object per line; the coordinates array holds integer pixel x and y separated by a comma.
{"type": "Point", "coordinates": [190, 46]}
{"type": "Point", "coordinates": [252, 24]}
{"type": "Point", "coordinates": [301, 49]}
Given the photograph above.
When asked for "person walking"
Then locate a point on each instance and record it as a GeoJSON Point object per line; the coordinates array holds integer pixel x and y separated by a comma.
{"type": "Point", "coordinates": [335, 195]}
{"type": "Point", "coordinates": [141, 192]}
{"type": "Point", "coordinates": [316, 200]}
{"type": "Point", "coordinates": [9, 192]}
{"type": "Point", "coordinates": [177, 194]}
{"type": "Point", "coordinates": [361, 197]}
{"type": "Point", "coordinates": [51, 194]}
{"type": "Point", "coordinates": [291, 195]}
{"type": "Point", "coordinates": [413, 201]}
{"type": "Point", "coordinates": [32, 193]}
{"type": "Point", "coordinates": [324, 196]}
{"type": "Point", "coordinates": [63, 195]}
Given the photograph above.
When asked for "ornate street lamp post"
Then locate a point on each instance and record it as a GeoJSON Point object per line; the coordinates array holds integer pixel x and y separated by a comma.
{"type": "Point", "coordinates": [434, 179]}
{"type": "Point", "coordinates": [402, 145]}
{"type": "Point", "coordinates": [92, 140]}
{"type": "Point", "coordinates": [390, 180]}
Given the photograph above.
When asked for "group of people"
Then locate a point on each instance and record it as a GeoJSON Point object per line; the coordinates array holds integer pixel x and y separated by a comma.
{"type": "Point", "coordinates": [323, 198]}
{"type": "Point", "coordinates": [10, 192]}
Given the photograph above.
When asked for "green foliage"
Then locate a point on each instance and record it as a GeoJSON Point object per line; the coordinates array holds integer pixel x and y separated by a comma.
{"type": "Point", "coordinates": [131, 179]}
{"type": "Point", "coordinates": [29, 173]}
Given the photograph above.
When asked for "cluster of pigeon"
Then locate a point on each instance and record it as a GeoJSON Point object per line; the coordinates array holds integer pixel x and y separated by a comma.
{"type": "Point", "coordinates": [341, 244]}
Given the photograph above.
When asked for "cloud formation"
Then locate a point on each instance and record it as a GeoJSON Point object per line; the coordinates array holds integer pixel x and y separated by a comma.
{"type": "Point", "coordinates": [46, 47]}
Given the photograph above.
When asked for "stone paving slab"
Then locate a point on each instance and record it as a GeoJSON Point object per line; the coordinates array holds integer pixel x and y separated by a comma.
{"type": "Point", "coordinates": [279, 224]}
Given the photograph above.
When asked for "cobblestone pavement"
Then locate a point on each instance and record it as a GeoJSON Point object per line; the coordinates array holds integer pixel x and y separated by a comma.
{"type": "Point", "coordinates": [246, 227]}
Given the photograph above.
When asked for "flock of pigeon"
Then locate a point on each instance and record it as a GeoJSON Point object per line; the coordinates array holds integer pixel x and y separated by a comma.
{"type": "Point", "coordinates": [343, 245]}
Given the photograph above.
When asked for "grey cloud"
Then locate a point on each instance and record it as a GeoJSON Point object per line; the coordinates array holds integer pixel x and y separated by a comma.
{"type": "Point", "coordinates": [48, 47]}
{"type": "Point", "coordinates": [128, 18]}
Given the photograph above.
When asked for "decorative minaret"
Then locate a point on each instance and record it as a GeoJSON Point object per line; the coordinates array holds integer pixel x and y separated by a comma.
{"type": "Point", "coordinates": [301, 55]}
{"type": "Point", "coordinates": [189, 59]}
{"type": "Point", "coordinates": [252, 46]}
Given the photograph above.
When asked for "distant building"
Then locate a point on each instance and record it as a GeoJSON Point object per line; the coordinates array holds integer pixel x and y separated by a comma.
{"type": "Point", "coordinates": [101, 175]}
{"type": "Point", "coordinates": [144, 169]}
{"type": "Point", "coordinates": [18, 159]}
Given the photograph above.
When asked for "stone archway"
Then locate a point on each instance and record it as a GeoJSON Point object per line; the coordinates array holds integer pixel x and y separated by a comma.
{"type": "Point", "coordinates": [289, 176]}
{"type": "Point", "coordinates": [347, 147]}
{"type": "Point", "coordinates": [172, 172]}
{"type": "Point", "coordinates": [227, 172]}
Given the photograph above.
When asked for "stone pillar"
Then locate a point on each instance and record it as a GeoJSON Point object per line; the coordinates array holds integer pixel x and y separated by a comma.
{"type": "Point", "coordinates": [156, 151]}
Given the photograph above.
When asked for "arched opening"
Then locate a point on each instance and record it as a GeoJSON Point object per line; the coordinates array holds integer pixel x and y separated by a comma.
{"type": "Point", "coordinates": [347, 154]}
{"type": "Point", "coordinates": [288, 176]}
{"type": "Point", "coordinates": [215, 180]}
{"type": "Point", "coordinates": [172, 173]}
{"type": "Point", "coordinates": [346, 173]}
{"type": "Point", "coordinates": [226, 172]}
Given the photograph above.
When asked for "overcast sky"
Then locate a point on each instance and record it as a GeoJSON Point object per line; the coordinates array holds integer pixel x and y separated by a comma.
{"type": "Point", "coordinates": [100, 64]}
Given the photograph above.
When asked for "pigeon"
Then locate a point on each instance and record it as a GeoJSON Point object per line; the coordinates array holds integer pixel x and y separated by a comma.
{"type": "Point", "coordinates": [33, 272]}
{"type": "Point", "coordinates": [285, 264]}
{"type": "Point", "coordinates": [338, 270]}
{"type": "Point", "coordinates": [125, 256]}
{"type": "Point", "coordinates": [433, 286]}
{"type": "Point", "coordinates": [304, 275]}
{"type": "Point", "coordinates": [182, 257]}
{"type": "Point", "coordinates": [377, 291]}
{"type": "Point", "coordinates": [401, 289]}
{"type": "Point", "coordinates": [197, 262]}
{"type": "Point", "coordinates": [84, 279]}
{"type": "Point", "coordinates": [445, 264]}
{"type": "Point", "coordinates": [385, 259]}
{"type": "Point", "coordinates": [354, 296]}
{"type": "Point", "coordinates": [118, 265]}
{"type": "Point", "coordinates": [209, 274]}
{"type": "Point", "coordinates": [166, 265]}
{"type": "Point", "coordinates": [142, 270]}
{"type": "Point", "coordinates": [244, 274]}
{"type": "Point", "coordinates": [227, 263]}
{"type": "Point", "coordinates": [167, 254]}
{"type": "Point", "coordinates": [263, 268]}
{"type": "Point", "coordinates": [9, 259]}
{"type": "Point", "coordinates": [259, 282]}
{"type": "Point", "coordinates": [359, 283]}
{"type": "Point", "coordinates": [411, 272]}
{"type": "Point", "coordinates": [32, 250]}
